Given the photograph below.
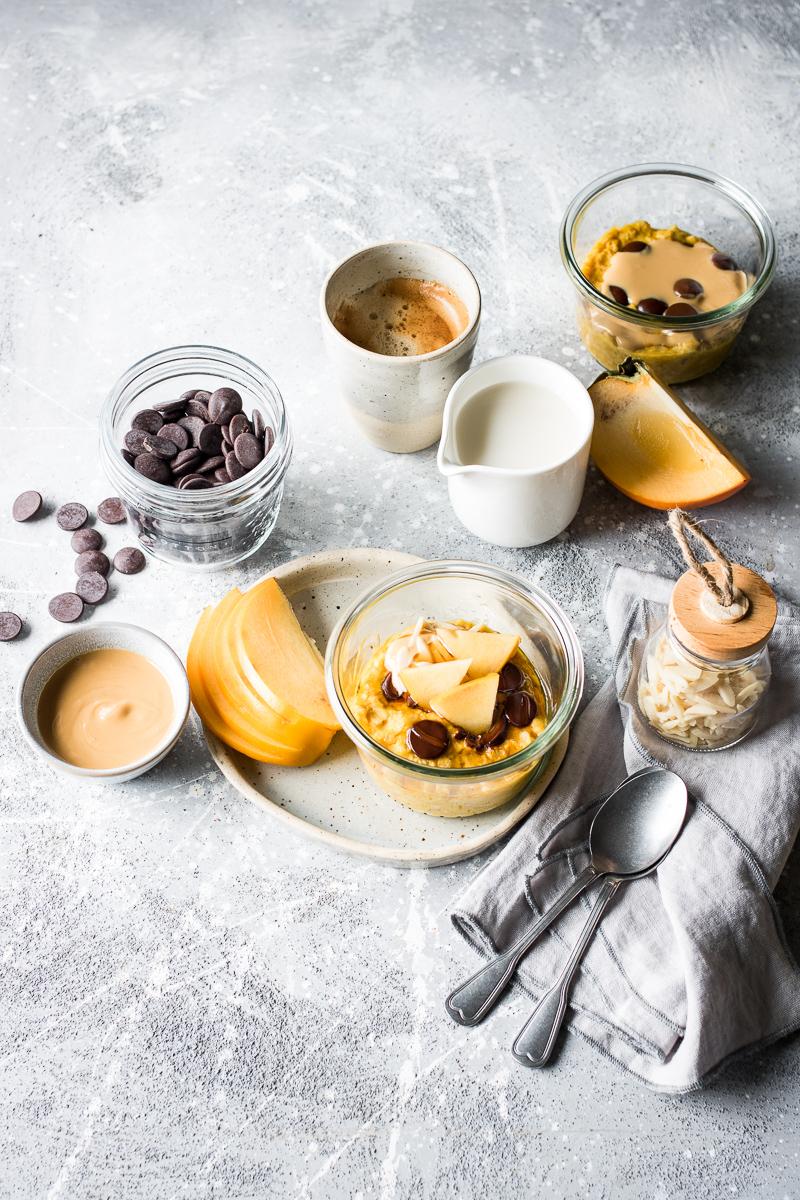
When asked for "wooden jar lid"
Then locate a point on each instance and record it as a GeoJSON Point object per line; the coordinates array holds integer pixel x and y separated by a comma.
{"type": "Point", "coordinates": [702, 634]}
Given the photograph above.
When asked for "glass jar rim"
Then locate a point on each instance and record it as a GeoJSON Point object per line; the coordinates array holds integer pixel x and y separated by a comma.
{"type": "Point", "coordinates": [717, 664]}
{"type": "Point", "coordinates": [570, 645]}
{"type": "Point", "coordinates": [269, 471]}
{"type": "Point", "coordinates": [748, 205]}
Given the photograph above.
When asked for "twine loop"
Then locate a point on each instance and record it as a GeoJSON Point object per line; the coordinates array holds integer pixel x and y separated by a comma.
{"type": "Point", "coordinates": [682, 525]}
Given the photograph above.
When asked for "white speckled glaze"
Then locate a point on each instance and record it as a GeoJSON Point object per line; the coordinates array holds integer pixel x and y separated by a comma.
{"type": "Point", "coordinates": [398, 402]}
{"type": "Point", "coordinates": [110, 635]}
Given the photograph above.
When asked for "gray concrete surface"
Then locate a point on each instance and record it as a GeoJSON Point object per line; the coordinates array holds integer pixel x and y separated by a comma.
{"type": "Point", "coordinates": [195, 1003]}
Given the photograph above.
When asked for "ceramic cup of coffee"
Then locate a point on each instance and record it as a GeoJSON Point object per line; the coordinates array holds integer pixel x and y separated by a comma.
{"type": "Point", "coordinates": [400, 323]}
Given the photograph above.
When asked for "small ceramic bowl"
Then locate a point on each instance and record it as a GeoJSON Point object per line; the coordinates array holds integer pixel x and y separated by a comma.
{"type": "Point", "coordinates": [108, 636]}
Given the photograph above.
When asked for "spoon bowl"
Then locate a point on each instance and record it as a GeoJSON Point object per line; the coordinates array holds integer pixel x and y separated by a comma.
{"type": "Point", "coordinates": [635, 827]}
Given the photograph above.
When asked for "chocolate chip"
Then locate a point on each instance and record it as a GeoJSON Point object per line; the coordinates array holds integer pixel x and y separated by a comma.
{"type": "Point", "coordinates": [26, 505]}
{"type": "Point", "coordinates": [428, 739]}
{"type": "Point", "coordinates": [619, 294]}
{"type": "Point", "coordinates": [129, 561]}
{"type": "Point", "coordinates": [233, 466]}
{"type": "Point", "coordinates": [259, 424]}
{"type": "Point", "coordinates": [71, 516]}
{"type": "Point", "coordinates": [176, 434]}
{"type": "Point", "coordinates": [210, 439]}
{"type": "Point", "coordinates": [197, 408]}
{"type": "Point", "coordinates": [193, 483]}
{"type": "Point", "coordinates": [86, 539]}
{"type": "Point", "coordinates": [10, 626]}
{"type": "Point", "coordinates": [92, 560]}
{"type": "Point", "coordinates": [495, 735]}
{"type": "Point", "coordinates": [202, 396]}
{"type": "Point", "coordinates": [65, 607]}
{"type": "Point", "coordinates": [226, 435]}
{"type": "Point", "coordinates": [390, 692]}
{"type": "Point", "coordinates": [724, 262]}
{"type": "Point", "coordinates": [170, 410]}
{"type": "Point", "coordinates": [238, 424]}
{"type": "Point", "coordinates": [633, 248]}
{"type": "Point", "coordinates": [134, 441]}
{"type": "Point", "coordinates": [160, 446]}
{"type": "Point", "coordinates": [269, 439]}
{"type": "Point", "coordinates": [249, 450]}
{"type": "Point", "coordinates": [129, 458]}
{"type": "Point", "coordinates": [520, 709]}
{"type": "Point", "coordinates": [111, 511]}
{"type": "Point", "coordinates": [193, 425]}
{"type": "Point", "coordinates": [511, 678]}
{"type": "Point", "coordinates": [211, 464]}
{"type": "Point", "coordinates": [189, 394]}
{"type": "Point", "coordinates": [148, 420]}
{"type": "Point", "coordinates": [152, 467]}
{"type": "Point", "coordinates": [687, 289]}
{"type": "Point", "coordinates": [680, 309]}
{"type": "Point", "coordinates": [224, 403]}
{"type": "Point", "coordinates": [221, 475]}
{"type": "Point", "coordinates": [651, 305]}
{"type": "Point", "coordinates": [92, 587]}
{"type": "Point", "coordinates": [189, 455]}
{"type": "Point", "coordinates": [188, 467]}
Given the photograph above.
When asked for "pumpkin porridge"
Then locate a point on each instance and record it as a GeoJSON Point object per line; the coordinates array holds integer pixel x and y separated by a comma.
{"type": "Point", "coordinates": [450, 695]}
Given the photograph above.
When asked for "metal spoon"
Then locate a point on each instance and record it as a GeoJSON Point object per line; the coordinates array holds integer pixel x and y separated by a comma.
{"type": "Point", "coordinates": [629, 829]}
{"type": "Point", "coordinates": [647, 841]}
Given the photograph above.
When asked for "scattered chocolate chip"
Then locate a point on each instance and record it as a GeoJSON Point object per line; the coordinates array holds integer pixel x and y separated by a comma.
{"type": "Point", "coordinates": [390, 692]}
{"type": "Point", "coordinates": [248, 449]}
{"type": "Point", "coordinates": [148, 420]}
{"type": "Point", "coordinates": [651, 305]}
{"type": "Point", "coordinates": [176, 434]}
{"type": "Point", "coordinates": [10, 626]}
{"type": "Point", "coordinates": [65, 607]}
{"type": "Point", "coordinates": [71, 516]}
{"type": "Point", "coordinates": [111, 511]}
{"type": "Point", "coordinates": [724, 262]}
{"type": "Point", "coordinates": [129, 560]}
{"type": "Point", "coordinates": [197, 408]}
{"type": "Point", "coordinates": [160, 446]}
{"type": "Point", "coordinates": [520, 709]}
{"type": "Point", "coordinates": [497, 733]}
{"type": "Point", "coordinates": [511, 678]}
{"type": "Point", "coordinates": [92, 587]}
{"type": "Point", "coordinates": [238, 424]}
{"type": "Point", "coordinates": [680, 309]}
{"type": "Point", "coordinates": [152, 467]}
{"type": "Point", "coordinates": [233, 466]}
{"type": "Point", "coordinates": [26, 505]}
{"type": "Point", "coordinates": [687, 289]}
{"type": "Point", "coordinates": [428, 739]}
{"type": "Point", "coordinates": [92, 560]}
{"type": "Point", "coordinates": [619, 294]}
{"type": "Point", "coordinates": [633, 248]}
{"type": "Point", "coordinates": [223, 404]}
{"type": "Point", "coordinates": [86, 539]}
{"type": "Point", "coordinates": [134, 441]}
{"type": "Point", "coordinates": [210, 439]}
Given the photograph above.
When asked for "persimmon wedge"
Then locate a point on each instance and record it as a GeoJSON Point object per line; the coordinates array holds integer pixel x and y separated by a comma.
{"type": "Point", "coordinates": [277, 658]}
{"type": "Point", "coordinates": [652, 448]}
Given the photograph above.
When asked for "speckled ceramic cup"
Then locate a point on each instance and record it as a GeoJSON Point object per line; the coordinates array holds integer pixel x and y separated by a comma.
{"type": "Point", "coordinates": [398, 402]}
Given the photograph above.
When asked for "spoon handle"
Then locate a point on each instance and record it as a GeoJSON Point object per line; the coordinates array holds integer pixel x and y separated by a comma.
{"type": "Point", "coordinates": [536, 1039]}
{"type": "Point", "coordinates": [473, 1000]}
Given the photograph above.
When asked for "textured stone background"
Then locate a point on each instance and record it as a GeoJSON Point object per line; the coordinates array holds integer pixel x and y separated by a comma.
{"type": "Point", "coordinates": [195, 1003]}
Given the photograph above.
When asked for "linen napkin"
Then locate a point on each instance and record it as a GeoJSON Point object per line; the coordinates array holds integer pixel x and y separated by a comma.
{"type": "Point", "coordinates": [689, 965]}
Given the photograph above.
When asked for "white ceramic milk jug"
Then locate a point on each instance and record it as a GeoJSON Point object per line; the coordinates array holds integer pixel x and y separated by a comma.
{"type": "Point", "coordinates": [515, 447]}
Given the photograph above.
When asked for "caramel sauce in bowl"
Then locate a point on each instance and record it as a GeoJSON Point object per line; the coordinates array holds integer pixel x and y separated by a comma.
{"type": "Point", "coordinates": [107, 702]}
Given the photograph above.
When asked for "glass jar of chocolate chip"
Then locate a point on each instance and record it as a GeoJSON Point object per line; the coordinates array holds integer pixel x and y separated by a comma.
{"type": "Point", "coordinates": [196, 442]}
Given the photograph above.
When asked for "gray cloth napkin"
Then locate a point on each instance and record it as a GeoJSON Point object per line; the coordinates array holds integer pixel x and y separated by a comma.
{"type": "Point", "coordinates": [690, 965]}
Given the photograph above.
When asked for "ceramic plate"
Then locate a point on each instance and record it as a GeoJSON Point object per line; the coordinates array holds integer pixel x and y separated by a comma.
{"type": "Point", "coordinates": [335, 801]}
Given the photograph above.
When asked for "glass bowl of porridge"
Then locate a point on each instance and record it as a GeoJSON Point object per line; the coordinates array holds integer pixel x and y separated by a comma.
{"type": "Point", "coordinates": [667, 261]}
{"type": "Point", "coordinates": [454, 680]}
